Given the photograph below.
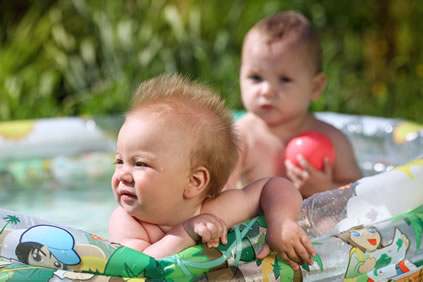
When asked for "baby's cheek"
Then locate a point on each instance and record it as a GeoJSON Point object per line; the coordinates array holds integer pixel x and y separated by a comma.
{"type": "Point", "coordinates": [114, 182]}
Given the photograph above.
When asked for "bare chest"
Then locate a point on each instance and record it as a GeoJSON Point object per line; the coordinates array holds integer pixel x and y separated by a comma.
{"type": "Point", "coordinates": [265, 158]}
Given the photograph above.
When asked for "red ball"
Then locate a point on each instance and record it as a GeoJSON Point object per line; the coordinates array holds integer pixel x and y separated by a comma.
{"type": "Point", "coordinates": [313, 146]}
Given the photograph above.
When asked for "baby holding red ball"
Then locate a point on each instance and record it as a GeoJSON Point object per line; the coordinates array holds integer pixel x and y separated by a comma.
{"type": "Point", "coordinates": [281, 74]}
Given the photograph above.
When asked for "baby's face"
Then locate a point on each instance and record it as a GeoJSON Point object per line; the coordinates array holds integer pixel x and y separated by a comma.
{"type": "Point", "coordinates": [276, 80]}
{"type": "Point", "coordinates": [152, 168]}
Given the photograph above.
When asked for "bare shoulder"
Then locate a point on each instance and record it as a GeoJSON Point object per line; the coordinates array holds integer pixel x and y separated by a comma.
{"type": "Point", "coordinates": [257, 143]}
{"type": "Point", "coordinates": [337, 137]}
{"type": "Point", "coordinates": [251, 129]}
{"type": "Point", "coordinates": [247, 122]}
{"type": "Point", "coordinates": [123, 226]}
{"type": "Point", "coordinates": [248, 128]}
{"type": "Point", "coordinates": [346, 168]}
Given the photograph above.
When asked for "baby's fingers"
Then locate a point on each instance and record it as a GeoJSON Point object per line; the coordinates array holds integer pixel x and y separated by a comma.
{"type": "Point", "coordinates": [304, 163]}
{"type": "Point", "coordinates": [204, 232]}
{"type": "Point", "coordinates": [308, 245]}
{"type": "Point", "coordinates": [293, 254]}
{"type": "Point", "coordinates": [295, 266]}
{"type": "Point", "coordinates": [218, 230]}
{"type": "Point", "coordinates": [303, 255]}
{"type": "Point", "coordinates": [224, 237]}
{"type": "Point", "coordinates": [303, 249]}
{"type": "Point", "coordinates": [213, 243]}
{"type": "Point", "coordinates": [265, 250]}
{"type": "Point", "coordinates": [215, 229]}
{"type": "Point", "coordinates": [295, 174]}
{"type": "Point", "coordinates": [327, 166]}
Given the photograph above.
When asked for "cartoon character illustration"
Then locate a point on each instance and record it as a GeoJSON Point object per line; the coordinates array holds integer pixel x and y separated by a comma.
{"type": "Point", "coordinates": [48, 253]}
{"type": "Point", "coordinates": [368, 260]}
{"type": "Point", "coordinates": [46, 245]}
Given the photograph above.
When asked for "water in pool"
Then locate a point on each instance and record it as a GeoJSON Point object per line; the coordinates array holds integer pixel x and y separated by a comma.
{"type": "Point", "coordinates": [85, 208]}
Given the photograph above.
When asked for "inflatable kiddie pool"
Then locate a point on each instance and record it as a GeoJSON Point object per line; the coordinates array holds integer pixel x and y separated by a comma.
{"type": "Point", "coordinates": [370, 230]}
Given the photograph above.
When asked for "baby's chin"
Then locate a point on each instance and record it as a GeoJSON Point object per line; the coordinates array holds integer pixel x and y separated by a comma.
{"type": "Point", "coordinates": [129, 209]}
{"type": "Point", "coordinates": [138, 214]}
{"type": "Point", "coordinates": [270, 118]}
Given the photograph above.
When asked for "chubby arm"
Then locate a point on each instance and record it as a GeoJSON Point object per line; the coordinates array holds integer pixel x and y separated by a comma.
{"type": "Point", "coordinates": [281, 208]}
{"type": "Point", "coordinates": [281, 203]}
{"type": "Point", "coordinates": [237, 205]}
{"type": "Point", "coordinates": [145, 237]}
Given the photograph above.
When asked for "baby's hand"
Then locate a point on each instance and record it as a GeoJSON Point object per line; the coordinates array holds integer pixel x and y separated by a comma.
{"type": "Point", "coordinates": [208, 227]}
{"type": "Point", "coordinates": [308, 179]}
{"type": "Point", "coordinates": [290, 242]}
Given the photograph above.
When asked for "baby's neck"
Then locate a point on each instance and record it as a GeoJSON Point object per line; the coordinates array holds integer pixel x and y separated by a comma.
{"type": "Point", "coordinates": [285, 131]}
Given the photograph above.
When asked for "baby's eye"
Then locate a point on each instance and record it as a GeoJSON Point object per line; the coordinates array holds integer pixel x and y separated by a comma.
{"type": "Point", "coordinates": [255, 77]}
{"type": "Point", "coordinates": [284, 79]}
{"type": "Point", "coordinates": [141, 164]}
{"type": "Point", "coordinates": [371, 230]}
{"type": "Point", "coordinates": [118, 162]}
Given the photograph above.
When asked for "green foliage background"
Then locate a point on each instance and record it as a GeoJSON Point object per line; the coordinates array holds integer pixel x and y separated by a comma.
{"type": "Point", "coordinates": [85, 57]}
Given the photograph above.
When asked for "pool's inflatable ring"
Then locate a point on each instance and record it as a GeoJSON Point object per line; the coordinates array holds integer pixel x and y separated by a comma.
{"type": "Point", "coordinates": [370, 230]}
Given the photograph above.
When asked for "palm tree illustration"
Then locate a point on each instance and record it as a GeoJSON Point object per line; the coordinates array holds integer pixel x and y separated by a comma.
{"type": "Point", "coordinates": [10, 219]}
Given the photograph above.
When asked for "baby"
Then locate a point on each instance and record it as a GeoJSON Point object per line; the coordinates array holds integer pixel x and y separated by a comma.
{"type": "Point", "coordinates": [281, 74]}
{"type": "Point", "coordinates": [175, 152]}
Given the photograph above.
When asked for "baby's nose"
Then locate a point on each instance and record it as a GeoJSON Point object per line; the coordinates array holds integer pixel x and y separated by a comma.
{"type": "Point", "coordinates": [267, 89]}
{"type": "Point", "coordinates": [125, 175]}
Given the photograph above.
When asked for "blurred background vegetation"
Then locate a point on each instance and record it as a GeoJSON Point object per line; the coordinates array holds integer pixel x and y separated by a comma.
{"type": "Point", "coordinates": [85, 57]}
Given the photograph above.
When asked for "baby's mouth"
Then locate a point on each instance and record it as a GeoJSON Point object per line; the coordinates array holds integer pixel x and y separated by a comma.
{"type": "Point", "coordinates": [127, 197]}
{"type": "Point", "coordinates": [266, 107]}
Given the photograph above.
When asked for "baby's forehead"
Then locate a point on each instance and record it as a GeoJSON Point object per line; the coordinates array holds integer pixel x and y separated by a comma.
{"type": "Point", "coordinates": [257, 38]}
{"type": "Point", "coordinates": [187, 120]}
{"type": "Point", "coordinates": [274, 50]}
{"type": "Point", "coordinates": [167, 110]}
{"type": "Point", "coordinates": [257, 45]}
{"type": "Point", "coordinates": [161, 117]}
{"type": "Point", "coordinates": [163, 125]}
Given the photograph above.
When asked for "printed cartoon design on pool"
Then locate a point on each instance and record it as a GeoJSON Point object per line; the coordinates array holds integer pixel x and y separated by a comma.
{"type": "Point", "coordinates": [46, 245]}
{"type": "Point", "coordinates": [368, 259]}
{"type": "Point", "coordinates": [372, 232]}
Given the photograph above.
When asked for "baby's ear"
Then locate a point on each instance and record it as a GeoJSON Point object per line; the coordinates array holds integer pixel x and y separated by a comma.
{"type": "Point", "coordinates": [198, 182]}
{"type": "Point", "coordinates": [319, 81]}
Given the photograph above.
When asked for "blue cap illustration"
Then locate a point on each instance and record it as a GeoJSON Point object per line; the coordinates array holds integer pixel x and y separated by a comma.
{"type": "Point", "coordinates": [57, 240]}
